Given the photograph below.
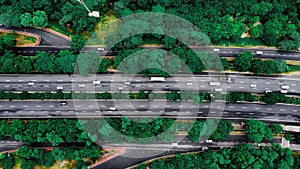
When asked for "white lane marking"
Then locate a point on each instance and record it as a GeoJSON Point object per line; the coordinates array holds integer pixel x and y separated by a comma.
{"type": "Point", "coordinates": [59, 80]}
{"type": "Point", "coordinates": [0, 106]}
{"type": "Point", "coordinates": [251, 113]}
{"type": "Point", "coordinates": [25, 106]}
{"type": "Point", "coordinates": [205, 106]}
{"type": "Point", "coordinates": [293, 84]}
{"type": "Point", "coordinates": [12, 106]}
{"type": "Point", "coordinates": [242, 82]}
{"type": "Point", "coordinates": [295, 110]}
{"type": "Point", "coordinates": [142, 105]}
{"type": "Point", "coordinates": [77, 106]}
{"type": "Point", "coordinates": [241, 87]}
{"type": "Point", "coordinates": [38, 106]}
{"type": "Point", "coordinates": [7, 80]}
{"type": "Point", "coordinates": [51, 106]}
{"type": "Point", "coordinates": [257, 108]}
{"type": "Point", "coordinates": [20, 80]}
{"type": "Point", "coordinates": [100, 106]}
{"type": "Point", "coordinates": [90, 106]}
{"type": "Point", "coordinates": [46, 80]}
{"type": "Point", "coordinates": [231, 107]}
{"type": "Point", "coordinates": [264, 114]}
{"type": "Point", "coordinates": [225, 112]}
{"type": "Point", "coordinates": [269, 109]}
{"type": "Point", "coordinates": [238, 112]}
{"type": "Point", "coordinates": [244, 107]}
{"type": "Point", "coordinates": [282, 109]}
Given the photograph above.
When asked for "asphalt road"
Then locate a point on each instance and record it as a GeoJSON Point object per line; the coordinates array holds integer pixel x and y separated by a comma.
{"type": "Point", "coordinates": [98, 109]}
{"type": "Point", "coordinates": [223, 52]}
{"type": "Point", "coordinates": [138, 153]}
{"type": "Point", "coordinates": [116, 82]}
{"type": "Point", "coordinates": [47, 38]}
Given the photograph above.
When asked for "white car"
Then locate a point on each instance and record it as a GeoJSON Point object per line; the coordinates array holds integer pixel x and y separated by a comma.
{"type": "Point", "coordinates": [283, 91]}
{"type": "Point", "coordinates": [189, 83]}
{"type": "Point", "coordinates": [127, 83]}
{"type": "Point", "coordinates": [285, 87]}
{"type": "Point", "coordinates": [96, 82]}
{"type": "Point", "coordinates": [30, 84]}
{"type": "Point", "coordinates": [81, 85]}
{"type": "Point", "coordinates": [216, 50]}
{"type": "Point", "coordinates": [214, 83]}
{"type": "Point", "coordinates": [208, 141]}
{"type": "Point", "coordinates": [112, 108]}
{"type": "Point", "coordinates": [218, 89]}
{"type": "Point", "coordinates": [100, 49]}
{"type": "Point", "coordinates": [120, 88]}
{"type": "Point", "coordinates": [268, 91]}
{"type": "Point", "coordinates": [259, 52]}
{"type": "Point", "coordinates": [59, 88]}
{"type": "Point", "coordinates": [253, 85]}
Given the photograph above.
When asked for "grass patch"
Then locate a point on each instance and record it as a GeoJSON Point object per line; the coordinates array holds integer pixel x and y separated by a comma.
{"type": "Point", "coordinates": [100, 29]}
{"type": "Point", "coordinates": [55, 26]}
{"type": "Point", "coordinates": [293, 68]}
{"type": "Point", "coordinates": [22, 39]}
{"type": "Point", "coordinates": [244, 42]}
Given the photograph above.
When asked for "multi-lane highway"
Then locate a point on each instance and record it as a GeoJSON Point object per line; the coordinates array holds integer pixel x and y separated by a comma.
{"type": "Point", "coordinates": [116, 82]}
{"type": "Point", "coordinates": [99, 109]}
{"type": "Point", "coordinates": [224, 52]}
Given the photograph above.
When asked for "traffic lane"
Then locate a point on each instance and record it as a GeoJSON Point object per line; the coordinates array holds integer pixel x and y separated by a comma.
{"type": "Point", "coordinates": [119, 86]}
{"type": "Point", "coordinates": [158, 106]}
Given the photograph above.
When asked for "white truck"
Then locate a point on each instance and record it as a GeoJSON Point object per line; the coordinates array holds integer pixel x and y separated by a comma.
{"type": "Point", "coordinates": [157, 79]}
{"type": "Point", "coordinates": [59, 87]}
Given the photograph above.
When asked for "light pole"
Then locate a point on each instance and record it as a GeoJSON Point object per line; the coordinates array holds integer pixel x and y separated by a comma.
{"type": "Point", "coordinates": [94, 13]}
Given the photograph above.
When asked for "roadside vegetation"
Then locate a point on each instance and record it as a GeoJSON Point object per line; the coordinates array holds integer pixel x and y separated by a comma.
{"type": "Point", "coordinates": [241, 156]}
{"type": "Point", "coordinates": [67, 62]}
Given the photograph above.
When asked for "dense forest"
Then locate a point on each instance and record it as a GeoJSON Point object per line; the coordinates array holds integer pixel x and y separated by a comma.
{"type": "Point", "coordinates": [273, 22]}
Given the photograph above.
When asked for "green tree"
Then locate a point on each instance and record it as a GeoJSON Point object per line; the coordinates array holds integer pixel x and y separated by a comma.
{"type": "Point", "coordinates": [7, 161]}
{"type": "Point", "coordinates": [256, 130]}
{"type": "Point", "coordinates": [276, 128]}
{"type": "Point", "coordinates": [77, 42]}
{"type": "Point", "coordinates": [273, 97]}
{"type": "Point", "coordinates": [243, 61]}
{"type": "Point", "coordinates": [40, 19]}
{"type": "Point", "coordinates": [26, 19]}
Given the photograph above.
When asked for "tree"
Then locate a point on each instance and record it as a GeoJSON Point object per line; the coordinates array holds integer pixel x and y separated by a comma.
{"type": "Point", "coordinates": [7, 161]}
{"type": "Point", "coordinates": [40, 19]}
{"type": "Point", "coordinates": [77, 42]}
{"type": "Point", "coordinates": [256, 130]}
{"type": "Point", "coordinates": [243, 61]}
{"type": "Point", "coordinates": [273, 97]}
{"type": "Point", "coordinates": [288, 137]}
{"type": "Point", "coordinates": [28, 164]}
{"type": "Point", "coordinates": [45, 62]}
{"type": "Point", "coordinates": [276, 128]}
{"type": "Point", "coordinates": [281, 65]}
{"type": "Point", "coordinates": [26, 19]}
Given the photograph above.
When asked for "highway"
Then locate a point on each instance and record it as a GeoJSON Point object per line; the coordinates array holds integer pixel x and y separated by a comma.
{"type": "Point", "coordinates": [99, 109]}
{"type": "Point", "coordinates": [116, 82]}
{"type": "Point", "coordinates": [223, 52]}
{"type": "Point", "coordinates": [47, 38]}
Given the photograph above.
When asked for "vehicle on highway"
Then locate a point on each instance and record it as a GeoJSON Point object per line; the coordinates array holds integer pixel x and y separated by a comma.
{"type": "Point", "coordinates": [167, 87]}
{"type": "Point", "coordinates": [216, 50]}
{"type": "Point", "coordinates": [112, 108]}
{"type": "Point", "coordinates": [120, 88]}
{"type": "Point", "coordinates": [218, 89]}
{"type": "Point", "coordinates": [252, 85]}
{"type": "Point", "coordinates": [59, 88]}
{"type": "Point", "coordinates": [283, 91]}
{"type": "Point", "coordinates": [81, 85]}
{"type": "Point", "coordinates": [159, 79]}
{"type": "Point", "coordinates": [174, 144]}
{"type": "Point", "coordinates": [30, 83]}
{"type": "Point", "coordinates": [225, 79]}
{"type": "Point", "coordinates": [214, 83]}
{"type": "Point", "coordinates": [259, 52]}
{"type": "Point", "coordinates": [100, 49]}
{"type": "Point", "coordinates": [96, 82]}
{"type": "Point", "coordinates": [127, 83]}
{"type": "Point", "coordinates": [50, 115]}
{"type": "Point", "coordinates": [63, 103]}
{"type": "Point", "coordinates": [285, 87]}
{"type": "Point", "coordinates": [261, 145]}
{"type": "Point", "coordinates": [189, 83]}
{"type": "Point", "coordinates": [208, 141]}
{"type": "Point", "coordinates": [268, 91]}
